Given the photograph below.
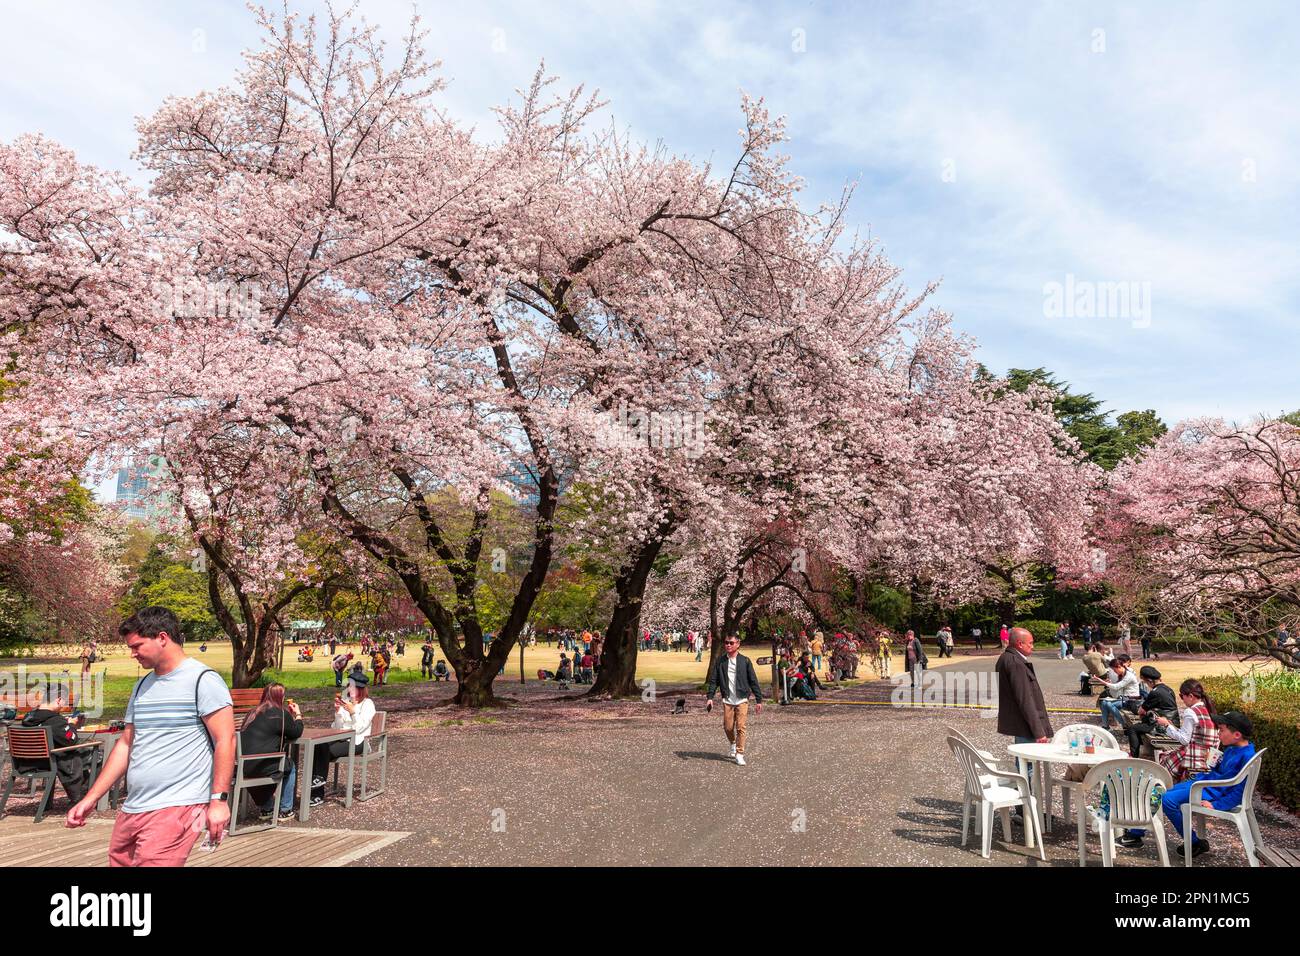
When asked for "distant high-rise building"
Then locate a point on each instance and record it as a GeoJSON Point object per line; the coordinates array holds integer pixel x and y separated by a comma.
{"type": "Point", "coordinates": [136, 489]}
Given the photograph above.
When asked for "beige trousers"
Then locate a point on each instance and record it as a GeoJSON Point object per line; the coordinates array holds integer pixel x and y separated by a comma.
{"type": "Point", "coordinates": [734, 718]}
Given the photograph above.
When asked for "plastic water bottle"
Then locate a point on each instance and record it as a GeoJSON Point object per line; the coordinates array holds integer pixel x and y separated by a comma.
{"type": "Point", "coordinates": [1074, 742]}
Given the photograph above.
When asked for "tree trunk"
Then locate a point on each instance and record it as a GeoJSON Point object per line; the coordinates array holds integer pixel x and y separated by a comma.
{"type": "Point", "coordinates": [1006, 612]}
{"type": "Point", "coordinates": [474, 687]}
{"type": "Point", "coordinates": [617, 676]}
{"type": "Point", "coordinates": [240, 647]}
{"type": "Point", "coordinates": [252, 651]}
{"type": "Point", "coordinates": [729, 627]}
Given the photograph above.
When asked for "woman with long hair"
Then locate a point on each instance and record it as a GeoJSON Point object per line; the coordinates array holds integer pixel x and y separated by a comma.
{"type": "Point", "coordinates": [270, 728]}
{"type": "Point", "coordinates": [1197, 733]}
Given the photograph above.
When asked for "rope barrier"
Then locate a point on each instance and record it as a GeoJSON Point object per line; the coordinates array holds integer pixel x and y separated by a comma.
{"type": "Point", "coordinates": [890, 703]}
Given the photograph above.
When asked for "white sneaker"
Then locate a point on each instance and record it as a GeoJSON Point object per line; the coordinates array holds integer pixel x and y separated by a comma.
{"type": "Point", "coordinates": [733, 750]}
{"type": "Point", "coordinates": [740, 760]}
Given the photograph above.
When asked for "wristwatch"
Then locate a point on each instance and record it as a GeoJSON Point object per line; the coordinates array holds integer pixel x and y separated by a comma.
{"type": "Point", "coordinates": [223, 797]}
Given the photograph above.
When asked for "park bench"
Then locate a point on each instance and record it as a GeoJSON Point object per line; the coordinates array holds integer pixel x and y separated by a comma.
{"type": "Point", "coordinates": [36, 744]}
{"type": "Point", "coordinates": [245, 700]}
{"type": "Point", "coordinates": [23, 703]}
{"type": "Point", "coordinates": [376, 749]}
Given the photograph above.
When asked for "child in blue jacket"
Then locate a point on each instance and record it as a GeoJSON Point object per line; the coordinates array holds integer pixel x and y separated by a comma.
{"type": "Point", "coordinates": [1235, 731]}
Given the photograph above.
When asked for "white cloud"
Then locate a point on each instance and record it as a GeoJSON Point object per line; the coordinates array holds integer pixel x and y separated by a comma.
{"type": "Point", "coordinates": [1122, 165]}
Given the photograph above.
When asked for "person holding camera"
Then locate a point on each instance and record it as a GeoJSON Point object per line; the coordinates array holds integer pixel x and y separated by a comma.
{"type": "Point", "coordinates": [355, 711]}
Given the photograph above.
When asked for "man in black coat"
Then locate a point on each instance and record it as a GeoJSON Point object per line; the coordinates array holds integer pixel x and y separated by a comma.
{"type": "Point", "coordinates": [73, 767]}
{"type": "Point", "coordinates": [1022, 714]}
{"type": "Point", "coordinates": [734, 675]}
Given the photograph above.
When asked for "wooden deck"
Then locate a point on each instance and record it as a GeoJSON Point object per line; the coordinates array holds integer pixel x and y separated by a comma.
{"type": "Point", "coordinates": [50, 843]}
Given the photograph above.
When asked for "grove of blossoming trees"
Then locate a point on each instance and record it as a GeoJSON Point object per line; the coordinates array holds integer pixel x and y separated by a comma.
{"type": "Point", "coordinates": [347, 323]}
{"type": "Point", "coordinates": [944, 484]}
{"type": "Point", "coordinates": [1203, 532]}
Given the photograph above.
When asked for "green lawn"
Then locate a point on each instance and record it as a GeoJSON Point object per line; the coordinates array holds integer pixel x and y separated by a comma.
{"type": "Point", "coordinates": [121, 671]}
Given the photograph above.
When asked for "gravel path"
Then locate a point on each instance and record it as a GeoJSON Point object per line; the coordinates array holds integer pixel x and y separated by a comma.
{"type": "Point", "coordinates": [627, 783]}
{"type": "Point", "coordinates": [553, 779]}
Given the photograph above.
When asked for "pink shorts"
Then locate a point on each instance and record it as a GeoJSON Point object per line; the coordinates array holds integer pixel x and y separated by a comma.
{"type": "Point", "coordinates": [157, 837]}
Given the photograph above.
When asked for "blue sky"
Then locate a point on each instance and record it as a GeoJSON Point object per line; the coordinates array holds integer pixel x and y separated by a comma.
{"type": "Point", "coordinates": [998, 147]}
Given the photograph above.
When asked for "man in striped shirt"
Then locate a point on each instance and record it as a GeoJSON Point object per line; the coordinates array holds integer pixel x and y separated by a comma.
{"type": "Point", "coordinates": [179, 744]}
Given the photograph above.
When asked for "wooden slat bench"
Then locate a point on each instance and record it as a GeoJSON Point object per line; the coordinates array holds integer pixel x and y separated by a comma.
{"type": "Point", "coordinates": [23, 703]}
{"type": "Point", "coordinates": [245, 700]}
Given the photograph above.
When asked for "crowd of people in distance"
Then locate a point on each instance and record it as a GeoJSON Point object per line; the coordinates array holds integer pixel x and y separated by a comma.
{"type": "Point", "coordinates": [689, 641]}
{"type": "Point", "coordinates": [586, 647]}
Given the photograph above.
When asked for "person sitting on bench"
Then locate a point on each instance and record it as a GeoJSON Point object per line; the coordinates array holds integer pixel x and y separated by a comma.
{"type": "Point", "coordinates": [73, 768]}
{"type": "Point", "coordinates": [1093, 666]}
{"type": "Point", "coordinates": [1159, 702]}
{"type": "Point", "coordinates": [354, 711]}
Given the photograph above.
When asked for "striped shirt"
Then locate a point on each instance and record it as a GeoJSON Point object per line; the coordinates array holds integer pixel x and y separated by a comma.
{"type": "Point", "coordinates": [171, 754]}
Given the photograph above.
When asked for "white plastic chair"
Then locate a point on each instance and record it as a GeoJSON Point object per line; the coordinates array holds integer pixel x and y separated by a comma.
{"type": "Point", "coordinates": [1069, 788]}
{"type": "Point", "coordinates": [987, 780]}
{"type": "Point", "coordinates": [1129, 784]}
{"type": "Point", "coordinates": [987, 755]}
{"type": "Point", "coordinates": [1243, 815]}
{"type": "Point", "coordinates": [995, 798]}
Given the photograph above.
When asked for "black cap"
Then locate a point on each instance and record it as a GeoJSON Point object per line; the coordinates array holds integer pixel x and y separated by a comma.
{"type": "Point", "coordinates": [1149, 673]}
{"type": "Point", "coordinates": [1237, 721]}
{"type": "Point", "coordinates": [360, 680]}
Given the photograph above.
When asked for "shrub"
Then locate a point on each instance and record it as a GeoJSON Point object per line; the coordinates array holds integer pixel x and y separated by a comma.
{"type": "Point", "coordinates": [1188, 643]}
{"type": "Point", "coordinates": [1044, 631]}
{"type": "Point", "coordinates": [1275, 712]}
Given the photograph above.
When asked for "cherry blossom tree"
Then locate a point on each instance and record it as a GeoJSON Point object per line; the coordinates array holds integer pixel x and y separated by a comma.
{"type": "Point", "coordinates": [68, 242]}
{"type": "Point", "coordinates": [68, 582]}
{"type": "Point", "coordinates": [966, 485]}
{"type": "Point", "coordinates": [332, 290]}
{"type": "Point", "coordinates": [259, 551]}
{"type": "Point", "coordinates": [1215, 510]}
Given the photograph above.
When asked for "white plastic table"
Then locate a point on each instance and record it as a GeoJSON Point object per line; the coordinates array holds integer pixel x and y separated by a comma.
{"type": "Point", "coordinates": [1043, 756]}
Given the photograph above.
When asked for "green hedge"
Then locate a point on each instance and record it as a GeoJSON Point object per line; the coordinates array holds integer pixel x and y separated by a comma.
{"type": "Point", "coordinates": [1185, 643]}
{"type": "Point", "coordinates": [1044, 631]}
{"type": "Point", "coordinates": [1275, 712]}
